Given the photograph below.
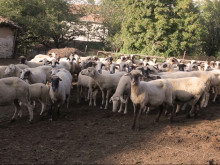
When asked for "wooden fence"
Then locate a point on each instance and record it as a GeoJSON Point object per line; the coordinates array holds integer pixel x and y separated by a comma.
{"type": "Point", "coordinates": [187, 58]}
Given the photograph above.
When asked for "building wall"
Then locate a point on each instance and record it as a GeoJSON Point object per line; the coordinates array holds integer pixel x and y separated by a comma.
{"type": "Point", "coordinates": [6, 42]}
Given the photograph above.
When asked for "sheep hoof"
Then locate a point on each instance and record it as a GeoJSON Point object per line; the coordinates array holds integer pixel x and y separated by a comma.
{"type": "Point", "coordinates": [12, 121]}
{"type": "Point", "coordinates": [30, 122]}
{"type": "Point", "coordinates": [101, 107]}
{"type": "Point", "coordinates": [125, 113]}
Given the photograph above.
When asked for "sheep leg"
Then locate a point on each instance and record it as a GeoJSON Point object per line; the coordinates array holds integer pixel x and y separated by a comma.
{"type": "Point", "coordinates": [138, 119]}
{"type": "Point", "coordinates": [90, 96]}
{"type": "Point", "coordinates": [216, 94]}
{"type": "Point", "coordinates": [42, 107]}
{"type": "Point", "coordinates": [17, 108]}
{"type": "Point", "coordinates": [135, 116]}
{"type": "Point", "coordinates": [121, 106]}
{"type": "Point", "coordinates": [107, 98]}
{"type": "Point", "coordinates": [160, 111]}
{"type": "Point", "coordinates": [103, 99]}
{"type": "Point", "coordinates": [126, 105]}
{"type": "Point", "coordinates": [94, 96]}
{"type": "Point", "coordinates": [173, 112]}
{"type": "Point", "coordinates": [67, 101]}
{"type": "Point", "coordinates": [30, 110]}
{"type": "Point", "coordinates": [177, 108]}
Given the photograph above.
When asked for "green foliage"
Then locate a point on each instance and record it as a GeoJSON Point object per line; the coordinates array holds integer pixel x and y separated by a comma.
{"type": "Point", "coordinates": [113, 14]}
{"type": "Point", "coordinates": [210, 18]}
{"type": "Point", "coordinates": [167, 27]}
{"type": "Point", "coordinates": [41, 20]}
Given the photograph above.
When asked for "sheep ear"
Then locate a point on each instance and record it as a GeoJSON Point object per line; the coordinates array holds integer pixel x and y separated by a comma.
{"type": "Point", "coordinates": [28, 72]}
{"type": "Point", "coordinates": [122, 100]}
{"type": "Point", "coordinates": [60, 79]}
{"type": "Point", "coordinates": [116, 67]}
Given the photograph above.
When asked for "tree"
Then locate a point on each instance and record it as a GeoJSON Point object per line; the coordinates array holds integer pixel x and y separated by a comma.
{"type": "Point", "coordinates": [210, 14]}
{"type": "Point", "coordinates": [113, 13]}
{"type": "Point", "coordinates": [41, 20]}
{"type": "Point", "coordinates": [165, 27]}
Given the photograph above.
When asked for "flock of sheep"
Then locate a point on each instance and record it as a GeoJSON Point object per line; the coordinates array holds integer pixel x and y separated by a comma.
{"type": "Point", "coordinates": [170, 85]}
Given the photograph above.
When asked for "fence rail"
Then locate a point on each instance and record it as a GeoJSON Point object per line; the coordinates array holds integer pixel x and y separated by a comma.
{"type": "Point", "coordinates": [201, 59]}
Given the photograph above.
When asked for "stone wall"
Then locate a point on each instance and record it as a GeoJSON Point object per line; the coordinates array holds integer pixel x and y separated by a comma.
{"type": "Point", "coordinates": [6, 42]}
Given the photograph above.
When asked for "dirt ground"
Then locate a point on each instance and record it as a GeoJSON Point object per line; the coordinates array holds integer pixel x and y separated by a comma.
{"type": "Point", "coordinates": [88, 135]}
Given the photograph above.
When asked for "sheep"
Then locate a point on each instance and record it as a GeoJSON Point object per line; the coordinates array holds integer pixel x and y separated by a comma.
{"type": "Point", "coordinates": [134, 61]}
{"type": "Point", "coordinates": [64, 63]}
{"type": "Point", "coordinates": [30, 64]}
{"type": "Point", "coordinates": [60, 90]}
{"type": "Point", "coordinates": [14, 90]}
{"type": "Point", "coordinates": [40, 92]}
{"type": "Point", "coordinates": [107, 82]}
{"type": "Point", "coordinates": [209, 78]}
{"type": "Point", "coordinates": [156, 93]}
{"type": "Point", "coordinates": [167, 67]}
{"type": "Point", "coordinates": [192, 67]}
{"type": "Point", "coordinates": [87, 82]}
{"type": "Point", "coordinates": [36, 75]}
{"type": "Point", "coordinates": [14, 70]}
{"type": "Point", "coordinates": [189, 90]}
{"type": "Point", "coordinates": [121, 94]}
{"type": "Point", "coordinates": [113, 67]}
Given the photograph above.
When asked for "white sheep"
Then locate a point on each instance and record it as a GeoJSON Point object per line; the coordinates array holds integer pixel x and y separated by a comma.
{"type": "Point", "coordinates": [30, 64]}
{"type": "Point", "coordinates": [36, 75]}
{"type": "Point", "coordinates": [60, 90]}
{"type": "Point", "coordinates": [189, 90]}
{"type": "Point", "coordinates": [14, 70]}
{"type": "Point", "coordinates": [156, 93]}
{"type": "Point", "coordinates": [14, 90]}
{"type": "Point", "coordinates": [88, 83]}
{"type": "Point", "coordinates": [122, 94]}
{"type": "Point", "coordinates": [106, 82]}
{"type": "Point", "coordinates": [40, 92]}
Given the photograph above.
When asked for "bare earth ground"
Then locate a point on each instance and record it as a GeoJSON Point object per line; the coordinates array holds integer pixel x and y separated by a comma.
{"type": "Point", "coordinates": [89, 135]}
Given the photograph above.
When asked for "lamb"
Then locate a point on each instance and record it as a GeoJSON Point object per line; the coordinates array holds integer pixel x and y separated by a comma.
{"type": "Point", "coordinates": [36, 75]}
{"type": "Point", "coordinates": [14, 90]}
{"type": "Point", "coordinates": [122, 94]}
{"type": "Point", "coordinates": [60, 90]}
{"type": "Point", "coordinates": [87, 82]}
{"type": "Point", "coordinates": [14, 70]}
{"type": "Point", "coordinates": [40, 92]}
{"type": "Point", "coordinates": [106, 82]}
{"type": "Point", "coordinates": [156, 93]}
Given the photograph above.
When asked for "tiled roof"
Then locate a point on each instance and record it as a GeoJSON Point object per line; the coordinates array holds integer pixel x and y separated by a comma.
{"type": "Point", "coordinates": [6, 22]}
{"type": "Point", "coordinates": [89, 13]}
